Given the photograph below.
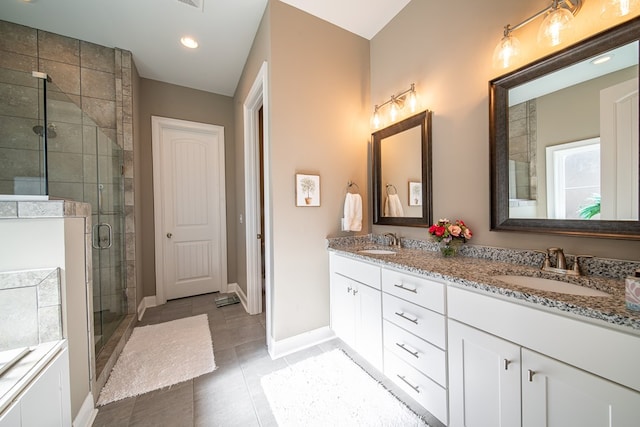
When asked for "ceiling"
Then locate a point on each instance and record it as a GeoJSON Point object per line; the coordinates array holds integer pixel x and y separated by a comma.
{"type": "Point", "coordinates": [151, 30]}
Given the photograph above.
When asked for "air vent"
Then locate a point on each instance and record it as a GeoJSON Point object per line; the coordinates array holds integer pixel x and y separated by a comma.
{"type": "Point", "coordinates": [198, 4]}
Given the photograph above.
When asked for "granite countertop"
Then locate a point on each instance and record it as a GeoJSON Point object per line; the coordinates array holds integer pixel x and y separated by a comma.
{"type": "Point", "coordinates": [479, 273]}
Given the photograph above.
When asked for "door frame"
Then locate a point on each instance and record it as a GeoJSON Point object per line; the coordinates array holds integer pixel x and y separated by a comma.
{"type": "Point", "coordinates": [157, 125]}
{"type": "Point", "coordinates": [257, 98]}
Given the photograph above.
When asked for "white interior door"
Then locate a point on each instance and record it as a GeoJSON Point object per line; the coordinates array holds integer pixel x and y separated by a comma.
{"type": "Point", "coordinates": [189, 208]}
{"type": "Point", "coordinates": [619, 151]}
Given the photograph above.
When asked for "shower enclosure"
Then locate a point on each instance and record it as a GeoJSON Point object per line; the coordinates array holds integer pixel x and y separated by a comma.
{"type": "Point", "coordinates": [50, 148]}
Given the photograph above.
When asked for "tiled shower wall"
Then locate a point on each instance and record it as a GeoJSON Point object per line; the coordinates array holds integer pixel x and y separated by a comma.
{"type": "Point", "coordinates": [96, 79]}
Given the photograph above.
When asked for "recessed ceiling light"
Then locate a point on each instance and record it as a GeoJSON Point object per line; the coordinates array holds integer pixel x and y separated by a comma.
{"type": "Point", "coordinates": [189, 42]}
{"type": "Point", "coordinates": [601, 59]}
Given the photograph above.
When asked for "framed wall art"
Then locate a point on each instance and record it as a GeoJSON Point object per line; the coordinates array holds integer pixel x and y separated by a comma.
{"type": "Point", "coordinates": [415, 193]}
{"type": "Point", "coordinates": [307, 190]}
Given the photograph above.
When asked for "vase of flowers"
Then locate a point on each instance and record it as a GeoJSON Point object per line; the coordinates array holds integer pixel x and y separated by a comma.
{"type": "Point", "coordinates": [450, 236]}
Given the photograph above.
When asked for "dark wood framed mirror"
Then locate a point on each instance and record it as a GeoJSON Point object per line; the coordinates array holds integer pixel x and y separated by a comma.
{"type": "Point", "coordinates": [564, 140]}
{"type": "Point", "coordinates": [401, 173]}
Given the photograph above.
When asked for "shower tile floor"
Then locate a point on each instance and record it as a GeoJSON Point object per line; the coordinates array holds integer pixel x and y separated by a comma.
{"type": "Point", "coordinates": [231, 395]}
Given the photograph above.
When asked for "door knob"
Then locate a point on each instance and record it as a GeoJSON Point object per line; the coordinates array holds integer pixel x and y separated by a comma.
{"type": "Point", "coordinates": [169, 235]}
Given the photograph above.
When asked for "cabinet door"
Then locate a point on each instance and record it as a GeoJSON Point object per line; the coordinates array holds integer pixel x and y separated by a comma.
{"type": "Point", "coordinates": [484, 379]}
{"type": "Point", "coordinates": [369, 324]}
{"type": "Point", "coordinates": [556, 394]}
{"type": "Point", "coordinates": [11, 416]}
{"type": "Point", "coordinates": [343, 308]}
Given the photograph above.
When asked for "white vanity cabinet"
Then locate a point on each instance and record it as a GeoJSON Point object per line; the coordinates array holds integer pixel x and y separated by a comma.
{"type": "Point", "coordinates": [414, 330]}
{"type": "Point", "coordinates": [512, 365]}
{"type": "Point", "coordinates": [484, 378]}
{"type": "Point", "coordinates": [356, 306]}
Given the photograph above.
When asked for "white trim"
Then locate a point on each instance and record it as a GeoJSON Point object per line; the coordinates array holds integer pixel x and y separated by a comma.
{"type": "Point", "coordinates": [146, 302]}
{"type": "Point", "coordinates": [157, 123]}
{"type": "Point", "coordinates": [299, 342]}
{"type": "Point", "coordinates": [256, 98]}
{"type": "Point", "coordinates": [87, 413]}
{"type": "Point", "coordinates": [236, 289]}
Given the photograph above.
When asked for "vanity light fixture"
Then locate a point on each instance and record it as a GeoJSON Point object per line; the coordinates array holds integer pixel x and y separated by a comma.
{"type": "Point", "coordinates": [189, 42]}
{"type": "Point", "coordinates": [396, 103]}
{"type": "Point", "coordinates": [557, 23]}
{"type": "Point", "coordinates": [618, 8]}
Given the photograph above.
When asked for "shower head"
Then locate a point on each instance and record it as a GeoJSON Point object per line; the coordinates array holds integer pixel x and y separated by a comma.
{"type": "Point", "coordinates": [51, 130]}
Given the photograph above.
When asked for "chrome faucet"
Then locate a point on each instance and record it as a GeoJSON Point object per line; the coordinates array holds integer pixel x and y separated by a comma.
{"type": "Point", "coordinates": [393, 239]}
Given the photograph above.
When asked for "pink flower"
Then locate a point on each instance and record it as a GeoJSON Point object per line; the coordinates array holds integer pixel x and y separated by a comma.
{"type": "Point", "coordinates": [455, 230]}
{"type": "Point", "coordinates": [467, 234]}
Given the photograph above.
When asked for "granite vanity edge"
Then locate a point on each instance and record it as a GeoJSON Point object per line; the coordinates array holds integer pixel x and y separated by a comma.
{"type": "Point", "coordinates": [538, 300]}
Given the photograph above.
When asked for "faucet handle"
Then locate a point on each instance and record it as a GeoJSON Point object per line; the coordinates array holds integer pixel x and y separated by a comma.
{"type": "Point", "coordinates": [576, 264]}
{"type": "Point", "coordinates": [547, 262]}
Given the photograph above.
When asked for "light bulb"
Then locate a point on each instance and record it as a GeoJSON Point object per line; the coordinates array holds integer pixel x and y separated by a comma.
{"type": "Point", "coordinates": [376, 120]}
{"type": "Point", "coordinates": [507, 52]}
{"type": "Point", "coordinates": [618, 8]}
{"type": "Point", "coordinates": [413, 102]}
{"type": "Point", "coordinates": [555, 27]}
{"type": "Point", "coordinates": [393, 111]}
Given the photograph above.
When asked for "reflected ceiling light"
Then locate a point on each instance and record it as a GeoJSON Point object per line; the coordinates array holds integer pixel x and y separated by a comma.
{"type": "Point", "coordinates": [396, 103]}
{"type": "Point", "coordinates": [189, 42]}
{"type": "Point", "coordinates": [601, 59]}
{"type": "Point", "coordinates": [618, 8]}
{"type": "Point", "coordinates": [556, 26]}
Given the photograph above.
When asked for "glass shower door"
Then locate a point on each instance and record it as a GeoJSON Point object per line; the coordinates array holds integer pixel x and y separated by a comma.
{"type": "Point", "coordinates": [108, 240]}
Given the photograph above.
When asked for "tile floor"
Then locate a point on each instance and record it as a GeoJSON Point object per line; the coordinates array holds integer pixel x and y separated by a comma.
{"type": "Point", "coordinates": [231, 395]}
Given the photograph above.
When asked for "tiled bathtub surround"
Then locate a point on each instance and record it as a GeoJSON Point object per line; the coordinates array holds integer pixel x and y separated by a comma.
{"type": "Point", "coordinates": [31, 308]}
{"type": "Point", "coordinates": [477, 265]}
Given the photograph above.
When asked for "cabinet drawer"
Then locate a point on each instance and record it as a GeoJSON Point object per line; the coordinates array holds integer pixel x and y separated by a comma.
{"type": "Point", "coordinates": [357, 270]}
{"type": "Point", "coordinates": [421, 291]}
{"type": "Point", "coordinates": [427, 358]}
{"type": "Point", "coordinates": [422, 389]}
{"type": "Point", "coordinates": [424, 323]}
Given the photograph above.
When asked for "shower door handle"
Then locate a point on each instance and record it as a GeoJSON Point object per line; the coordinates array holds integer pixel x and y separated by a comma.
{"type": "Point", "coordinates": [96, 234]}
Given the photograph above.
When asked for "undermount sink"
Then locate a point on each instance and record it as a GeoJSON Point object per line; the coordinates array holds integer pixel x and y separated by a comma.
{"type": "Point", "coordinates": [551, 285]}
{"type": "Point", "coordinates": [378, 251]}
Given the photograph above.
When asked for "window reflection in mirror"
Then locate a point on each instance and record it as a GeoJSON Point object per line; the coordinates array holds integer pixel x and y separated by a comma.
{"type": "Point", "coordinates": [573, 141]}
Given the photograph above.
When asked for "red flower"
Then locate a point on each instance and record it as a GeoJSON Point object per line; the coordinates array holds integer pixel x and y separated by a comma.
{"type": "Point", "coordinates": [440, 231]}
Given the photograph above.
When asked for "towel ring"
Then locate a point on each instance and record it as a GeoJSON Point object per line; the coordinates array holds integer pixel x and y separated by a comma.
{"type": "Point", "coordinates": [350, 186]}
{"type": "Point", "coordinates": [395, 190]}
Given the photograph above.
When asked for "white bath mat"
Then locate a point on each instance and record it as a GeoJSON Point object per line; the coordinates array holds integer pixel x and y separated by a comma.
{"type": "Point", "coordinates": [161, 355]}
{"type": "Point", "coordinates": [332, 390]}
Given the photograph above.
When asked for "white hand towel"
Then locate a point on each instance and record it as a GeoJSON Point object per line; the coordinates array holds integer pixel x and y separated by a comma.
{"type": "Point", "coordinates": [352, 220]}
{"type": "Point", "coordinates": [393, 206]}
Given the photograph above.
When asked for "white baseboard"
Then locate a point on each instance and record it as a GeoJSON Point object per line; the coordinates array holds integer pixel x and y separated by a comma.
{"type": "Point", "coordinates": [86, 414]}
{"type": "Point", "coordinates": [236, 289]}
{"type": "Point", "coordinates": [299, 342]}
{"type": "Point", "coordinates": [147, 302]}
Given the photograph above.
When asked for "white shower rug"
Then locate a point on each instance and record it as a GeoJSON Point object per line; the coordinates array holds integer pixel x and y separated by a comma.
{"type": "Point", "coordinates": [332, 390]}
{"type": "Point", "coordinates": [161, 355]}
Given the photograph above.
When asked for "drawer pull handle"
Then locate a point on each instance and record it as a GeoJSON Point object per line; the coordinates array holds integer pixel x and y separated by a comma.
{"type": "Point", "coordinates": [401, 286]}
{"type": "Point", "coordinates": [404, 380]}
{"type": "Point", "coordinates": [349, 289]}
{"type": "Point", "coordinates": [530, 375]}
{"type": "Point", "coordinates": [404, 316]}
{"type": "Point", "coordinates": [506, 364]}
{"type": "Point", "coordinates": [413, 353]}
